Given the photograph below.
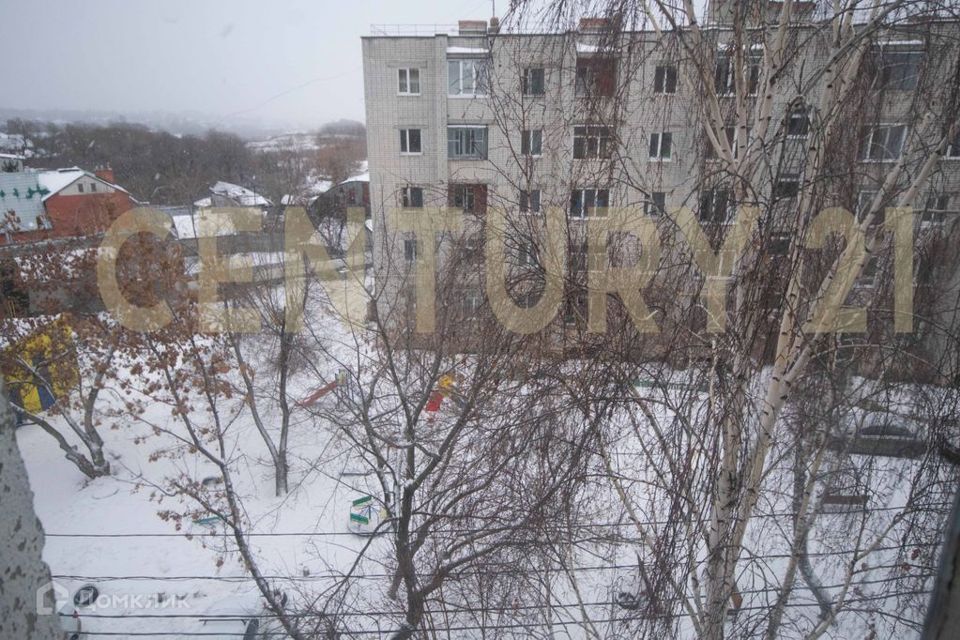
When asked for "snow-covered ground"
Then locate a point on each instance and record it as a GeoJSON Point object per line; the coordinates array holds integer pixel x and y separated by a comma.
{"type": "Point", "coordinates": [156, 577]}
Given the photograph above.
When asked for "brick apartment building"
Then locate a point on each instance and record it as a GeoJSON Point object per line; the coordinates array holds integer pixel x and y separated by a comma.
{"type": "Point", "coordinates": [469, 117]}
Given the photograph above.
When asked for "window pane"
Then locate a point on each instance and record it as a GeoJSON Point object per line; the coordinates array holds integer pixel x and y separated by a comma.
{"type": "Point", "coordinates": [403, 80]}
{"type": "Point", "coordinates": [536, 141]}
{"type": "Point", "coordinates": [467, 76]}
{"type": "Point", "coordinates": [403, 140]}
{"type": "Point", "coordinates": [658, 80]}
{"type": "Point", "coordinates": [666, 140]}
{"type": "Point", "coordinates": [576, 207]}
{"type": "Point", "coordinates": [414, 141]}
{"type": "Point", "coordinates": [414, 80]}
{"type": "Point", "coordinates": [654, 144]}
{"type": "Point", "coordinates": [671, 79]}
{"type": "Point", "coordinates": [538, 82]}
{"type": "Point", "coordinates": [453, 74]}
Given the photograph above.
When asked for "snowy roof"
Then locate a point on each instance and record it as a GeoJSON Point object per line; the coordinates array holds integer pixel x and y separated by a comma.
{"type": "Point", "coordinates": [189, 227]}
{"type": "Point", "coordinates": [467, 51]}
{"type": "Point", "coordinates": [12, 156]}
{"type": "Point", "coordinates": [241, 195]}
{"type": "Point", "coordinates": [57, 180]}
{"type": "Point", "coordinates": [360, 177]}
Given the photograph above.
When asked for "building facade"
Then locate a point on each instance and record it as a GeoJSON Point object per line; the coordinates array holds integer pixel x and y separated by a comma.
{"type": "Point", "coordinates": [598, 118]}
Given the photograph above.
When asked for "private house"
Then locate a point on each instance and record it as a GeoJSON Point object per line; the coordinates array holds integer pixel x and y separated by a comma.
{"type": "Point", "coordinates": [59, 203]}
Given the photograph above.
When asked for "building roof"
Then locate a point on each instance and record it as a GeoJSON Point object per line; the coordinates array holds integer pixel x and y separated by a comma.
{"type": "Point", "coordinates": [241, 195]}
{"type": "Point", "coordinates": [23, 193]}
{"type": "Point", "coordinates": [57, 180]}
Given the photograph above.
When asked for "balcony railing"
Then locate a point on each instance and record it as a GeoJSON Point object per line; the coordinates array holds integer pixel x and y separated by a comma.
{"type": "Point", "coordinates": [413, 30]}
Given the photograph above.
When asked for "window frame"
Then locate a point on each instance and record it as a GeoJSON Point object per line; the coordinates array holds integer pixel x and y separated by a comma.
{"type": "Point", "coordinates": [527, 83]}
{"type": "Point", "coordinates": [405, 140]}
{"type": "Point", "coordinates": [410, 250]}
{"type": "Point", "coordinates": [661, 79]}
{"type": "Point", "coordinates": [480, 68]}
{"type": "Point", "coordinates": [589, 81]}
{"type": "Point", "coordinates": [407, 199]}
{"type": "Point", "coordinates": [886, 80]}
{"type": "Point", "coordinates": [527, 137]}
{"type": "Point", "coordinates": [868, 141]}
{"type": "Point", "coordinates": [585, 210]}
{"type": "Point", "coordinates": [804, 117]}
{"type": "Point", "coordinates": [729, 74]}
{"type": "Point", "coordinates": [601, 135]}
{"type": "Point", "coordinates": [404, 78]}
{"type": "Point", "coordinates": [463, 143]}
{"type": "Point", "coordinates": [656, 205]}
{"type": "Point", "coordinates": [729, 205]}
{"type": "Point", "coordinates": [787, 178]}
{"type": "Point", "coordinates": [660, 137]}
{"type": "Point", "coordinates": [529, 201]}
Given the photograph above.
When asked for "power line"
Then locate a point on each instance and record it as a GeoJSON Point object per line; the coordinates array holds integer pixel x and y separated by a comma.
{"type": "Point", "coordinates": [488, 627]}
{"type": "Point", "coordinates": [486, 572]}
{"type": "Point", "coordinates": [450, 532]}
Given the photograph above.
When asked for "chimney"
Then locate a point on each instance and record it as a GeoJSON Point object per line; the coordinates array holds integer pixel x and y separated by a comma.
{"type": "Point", "coordinates": [105, 173]}
{"type": "Point", "coordinates": [494, 25]}
{"type": "Point", "coordinates": [472, 27]}
{"type": "Point", "coordinates": [594, 25]}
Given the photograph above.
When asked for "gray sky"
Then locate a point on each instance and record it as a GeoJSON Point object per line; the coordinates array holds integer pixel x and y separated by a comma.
{"type": "Point", "coordinates": [293, 63]}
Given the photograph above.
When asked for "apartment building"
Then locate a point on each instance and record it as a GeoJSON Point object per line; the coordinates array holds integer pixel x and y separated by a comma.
{"type": "Point", "coordinates": [596, 118]}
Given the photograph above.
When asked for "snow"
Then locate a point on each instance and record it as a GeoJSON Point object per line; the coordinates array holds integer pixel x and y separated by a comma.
{"type": "Point", "coordinates": [243, 196]}
{"type": "Point", "coordinates": [583, 47]}
{"type": "Point", "coordinates": [467, 51]}
{"type": "Point", "coordinates": [57, 180]}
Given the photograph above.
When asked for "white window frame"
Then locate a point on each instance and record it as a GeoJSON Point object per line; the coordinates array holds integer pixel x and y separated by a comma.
{"type": "Point", "coordinates": [462, 156]}
{"type": "Point", "coordinates": [478, 68]}
{"type": "Point", "coordinates": [885, 64]}
{"type": "Point", "coordinates": [953, 148]}
{"type": "Point", "coordinates": [527, 138]}
{"type": "Point", "coordinates": [404, 79]}
{"type": "Point", "coordinates": [405, 141]}
{"type": "Point", "coordinates": [658, 155]}
{"type": "Point", "coordinates": [600, 135]}
{"type": "Point", "coordinates": [872, 131]}
{"type": "Point", "coordinates": [586, 212]}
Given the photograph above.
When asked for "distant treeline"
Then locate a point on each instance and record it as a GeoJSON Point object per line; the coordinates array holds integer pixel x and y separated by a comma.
{"type": "Point", "coordinates": [162, 168]}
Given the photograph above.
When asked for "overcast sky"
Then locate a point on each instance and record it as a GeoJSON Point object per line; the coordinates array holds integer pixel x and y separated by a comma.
{"type": "Point", "coordinates": [293, 63]}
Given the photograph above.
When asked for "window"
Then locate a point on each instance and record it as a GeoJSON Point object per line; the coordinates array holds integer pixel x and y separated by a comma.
{"type": "Point", "coordinates": [410, 141]}
{"type": "Point", "coordinates": [883, 143]}
{"type": "Point", "coordinates": [656, 205]}
{"type": "Point", "coordinates": [937, 208]}
{"type": "Point", "coordinates": [665, 79]}
{"type": "Point", "coordinates": [409, 82]}
{"type": "Point", "coordinates": [532, 81]}
{"type": "Point", "coordinates": [575, 309]}
{"type": "Point", "coordinates": [711, 154]}
{"type": "Point", "coordinates": [93, 187]}
{"type": "Point", "coordinates": [953, 149]}
{"type": "Point", "coordinates": [596, 77]}
{"type": "Point", "coordinates": [527, 254]}
{"type": "Point", "coordinates": [726, 74]}
{"type": "Point", "coordinates": [864, 201]}
{"type": "Point", "coordinates": [585, 202]}
{"type": "Point", "coordinates": [715, 205]}
{"type": "Point", "coordinates": [591, 142]}
{"type": "Point", "coordinates": [577, 254]}
{"type": "Point", "coordinates": [411, 197]}
{"type": "Point", "coordinates": [531, 142]}
{"type": "Point", "coordinates": [472, 300]}
{"type": "Point", "coordinates": [788, 186]}
{"type": "Point", "coordinates": [899, 70]}
{"type": "Point", "coordinates": [80, 187]}
{"type": "Point", "coordinates": [530, 201]}
{"type": "Point", "coordinates": [470, 198]}
{"type": "Point", "coordinates": [467, 143]}
{"type": "Point", "coordinates": [410, 249]}
{"type": "Point", "coordinates": [660, 146]}
{"type": "Point", "coordinates": [467, 77]}
{"type": "Point", "coordinates": [798, 122]}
